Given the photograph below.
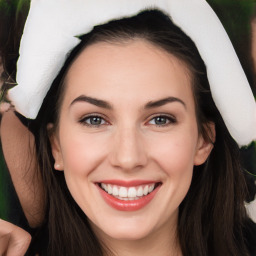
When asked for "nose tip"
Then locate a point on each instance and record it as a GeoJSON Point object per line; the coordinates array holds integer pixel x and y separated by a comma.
{"type": "Point", "coordinates": [128, 151]}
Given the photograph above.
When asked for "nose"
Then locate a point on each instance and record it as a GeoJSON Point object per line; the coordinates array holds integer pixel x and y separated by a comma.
{"type": "Point", "coordinates": [128, 150]}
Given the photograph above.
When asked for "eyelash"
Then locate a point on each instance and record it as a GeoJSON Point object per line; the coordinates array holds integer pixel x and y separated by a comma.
{"type": "Point", "coordinates": [168, 118]}
{"type": "Point", "coordinates": [90, 117]}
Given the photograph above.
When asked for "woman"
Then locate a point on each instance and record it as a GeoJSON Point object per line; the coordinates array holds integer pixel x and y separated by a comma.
{"type": "Point", "coordinates": [131, 173]}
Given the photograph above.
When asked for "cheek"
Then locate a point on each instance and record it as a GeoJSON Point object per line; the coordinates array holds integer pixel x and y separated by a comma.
{"type": "Point", "coordinates": [177, 163]}
{"type": "Point", "coordinates": [81, 152]}
{"type": "Point", "coordinates": [175, 152]}
{"type": "Point", "coordinates": [174, 155]}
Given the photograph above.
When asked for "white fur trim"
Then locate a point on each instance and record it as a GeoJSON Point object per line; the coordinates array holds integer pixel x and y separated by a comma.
{"type": "Point", "coordinates": [52, 25]}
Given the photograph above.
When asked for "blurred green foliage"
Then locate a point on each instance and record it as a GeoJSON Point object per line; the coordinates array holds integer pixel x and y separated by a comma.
{"type": "Point", "coordinates": [13, 5]}
{"type": "Point", "coordinates": [236, 16]}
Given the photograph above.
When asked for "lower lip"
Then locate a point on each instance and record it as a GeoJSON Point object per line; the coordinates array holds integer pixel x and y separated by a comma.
{"type": "Point", "coordinates": [129, 205]}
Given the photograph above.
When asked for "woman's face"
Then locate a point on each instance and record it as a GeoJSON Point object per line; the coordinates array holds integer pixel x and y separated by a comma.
{"type": "Point", "coordinates": [127, 138]}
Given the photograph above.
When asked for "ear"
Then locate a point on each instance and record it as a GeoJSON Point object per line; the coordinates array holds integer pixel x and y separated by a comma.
{"type": "Point", "coordinates": [55, 146]}
{"type": "Point", "coordinates": [205, 144]}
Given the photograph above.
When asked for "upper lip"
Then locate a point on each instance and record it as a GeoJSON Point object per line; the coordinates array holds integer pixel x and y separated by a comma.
{"type": "Point", "coordinates": [128, 183]}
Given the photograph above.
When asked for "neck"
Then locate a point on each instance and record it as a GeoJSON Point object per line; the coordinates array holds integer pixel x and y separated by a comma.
{"type": "Point", "coordinates": [149, 247]}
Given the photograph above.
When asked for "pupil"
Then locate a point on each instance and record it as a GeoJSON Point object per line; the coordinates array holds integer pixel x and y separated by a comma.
{"type": "Point", "coordinates": [95, 120]}
{"type": "Point", "coordinates": [160, 120]}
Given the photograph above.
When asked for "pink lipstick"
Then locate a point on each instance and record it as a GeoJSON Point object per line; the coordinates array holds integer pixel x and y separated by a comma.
{"type": "Point", "coordinates": [128, 195]}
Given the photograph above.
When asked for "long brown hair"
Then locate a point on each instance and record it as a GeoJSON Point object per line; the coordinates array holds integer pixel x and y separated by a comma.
{"type": "Point", "coordinates": [212, 215]}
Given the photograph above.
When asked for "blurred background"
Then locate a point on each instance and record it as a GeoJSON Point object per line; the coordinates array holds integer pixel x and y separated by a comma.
{"type": "Point", "coordinates": [237, 16]}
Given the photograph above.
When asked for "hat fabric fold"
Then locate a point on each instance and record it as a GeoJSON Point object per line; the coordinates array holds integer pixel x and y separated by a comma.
{"type": "Point", "coordinates": [51, 32]}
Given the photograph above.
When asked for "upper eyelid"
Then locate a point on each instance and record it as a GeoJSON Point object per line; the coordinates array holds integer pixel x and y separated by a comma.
{"type": "Point", "coordinates": [92, 115]}
{"type": "Point", "coordinates": [161, 115]}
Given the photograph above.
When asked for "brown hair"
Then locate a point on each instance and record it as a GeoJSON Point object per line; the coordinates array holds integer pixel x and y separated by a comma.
{"type": "Point", "coordinates": [212, 215]}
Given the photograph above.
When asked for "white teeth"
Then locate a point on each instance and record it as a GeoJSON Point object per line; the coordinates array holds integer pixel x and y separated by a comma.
{"type": "Point", "coordinates": [104, 186]}
{"type": "Point", "coordinates": [125, 193]}
{"type": "Point", "coordinates": [115, 191]}
{"type": "Point", "coordinates": [145, 191]}
{"type": "Point", "coordinates": [151, 188]}
{"type": "Point", "coordinates": [140, 191]}
{"type": "Point", "coordinates": [128, 198]}
{"type": "Point", "coordinates": [132, 192]}
{"type": "Point", "coordinates": [109, 189]}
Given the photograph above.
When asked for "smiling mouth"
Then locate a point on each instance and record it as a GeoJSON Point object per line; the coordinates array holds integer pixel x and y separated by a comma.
{"type": "Point", "coordinates": [129, 193]}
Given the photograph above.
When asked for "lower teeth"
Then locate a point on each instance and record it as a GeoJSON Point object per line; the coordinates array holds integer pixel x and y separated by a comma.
{"type": "Point", "coordinates": [127, 198]}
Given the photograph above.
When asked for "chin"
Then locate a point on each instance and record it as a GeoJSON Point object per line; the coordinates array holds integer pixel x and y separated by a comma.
{"type": "Point", "coordinates": [124, 230]}
{"type": "Point", "coordinates": [128, 234]}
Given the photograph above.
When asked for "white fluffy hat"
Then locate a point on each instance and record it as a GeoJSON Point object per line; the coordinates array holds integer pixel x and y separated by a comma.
{"type": "Point", "coordinates": [50, 34]}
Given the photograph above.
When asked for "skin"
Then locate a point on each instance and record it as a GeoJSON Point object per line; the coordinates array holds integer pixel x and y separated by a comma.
{"type": "Point", "coordinates": [14, 241]}
{"type": "Point", "coordinates": [128, 144]}
{"type": "Point", "coordinates": [19, 152]}
{"type": "Point", "coordinates": [17, 170]}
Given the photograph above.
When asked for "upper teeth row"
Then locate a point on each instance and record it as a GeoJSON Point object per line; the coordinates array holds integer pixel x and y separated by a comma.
{"type": "Point", "coordinates": [131, 192]}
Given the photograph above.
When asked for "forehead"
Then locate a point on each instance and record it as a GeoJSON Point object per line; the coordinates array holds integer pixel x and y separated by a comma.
{"type": "Point", "coordinates": [134, 69]}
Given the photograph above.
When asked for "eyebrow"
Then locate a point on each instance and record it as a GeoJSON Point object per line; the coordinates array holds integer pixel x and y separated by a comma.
{"type": "Point", "coordinates": [161, 102]}
{"type": "Point", "coordinates": [93, 101]}
{"type": "Point", "coordinates": [107, 105]}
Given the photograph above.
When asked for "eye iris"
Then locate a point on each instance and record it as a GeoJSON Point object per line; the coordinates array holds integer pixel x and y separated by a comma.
{"type": "Point", "coordinates": [160, 120]}
{"type": "Point", "coordinates": [95, 120]}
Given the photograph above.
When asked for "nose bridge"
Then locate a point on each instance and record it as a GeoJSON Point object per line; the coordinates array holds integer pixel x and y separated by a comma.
{"type": "Point", "coordinates": [128, 151]}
